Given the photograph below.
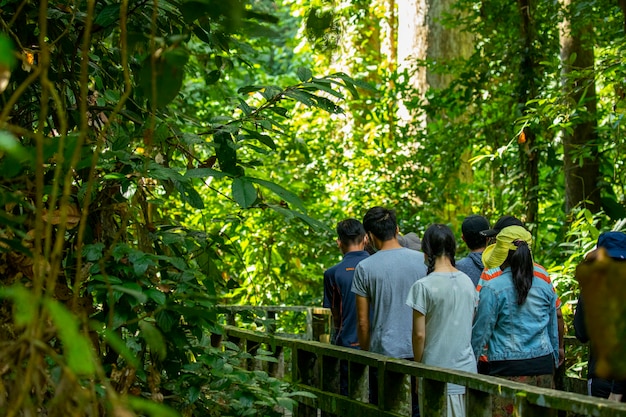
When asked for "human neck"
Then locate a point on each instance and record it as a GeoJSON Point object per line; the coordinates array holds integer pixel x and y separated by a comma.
{"type": "Point", "coordinates": [443, 264]}
{"type": "Point", "coordinates": [353, 248]}
{"type": "Point", "coordinates": [389, 244]}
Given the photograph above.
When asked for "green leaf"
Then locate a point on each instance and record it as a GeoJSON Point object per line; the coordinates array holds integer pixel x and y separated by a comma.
{"type": "Point", "coordinates": [204, 173]}
{"type": "Point", "coordinates": [286, 195]}
{"type": "Point", "coordinates": [323, 87]}
{"type": "Point", "coordinates": [7, 57]}
{"type": "Point", "coordinates": [168, 76]}
{"type": "Point", "coordinates": [117, 344]}
{"type": "Point", "coordinates": [264, 139]}
{"type": "Point", "coordinates": [328, 105]}
{"type": "Point", "coordinates": [25, 305]}
{"type": "Point", "coordinates": [301, 96]}
{"type": "Point", "coordinates": [305, 394]}
{"type": "Point", "coordinates": [154, 339]}
{"type": "Point", "coordinates": [165, 320]}
{"type": "Point", "coordinates": [250, 89]}
{"type": "Point", "coordinates": [93, 252]}
{"type": "Point", "coordinates": [189, 194]}
{"type": "Point", "coordinates": [137, 293]}
{"type": "Point", "coordinates": [244, 192]}
{"type": "Point", "coordinates": [151, 408]}
{"type": "Point", "coordinates": [157, 296]}
{"type": "Point", "coordinates": [10, 145]}
{"type": "Point", "coordinates": [109, 15]}
{"type": "Point", "coordinates": [289, 214]}
{"type": "Point", "coordinates": [213, 77]}
{"type": "Point", "coordinates": [304, 74]}
{"type": "Point", "coordinates": [77, 348]}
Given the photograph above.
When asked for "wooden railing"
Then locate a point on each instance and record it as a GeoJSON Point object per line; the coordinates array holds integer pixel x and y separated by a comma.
{"type": "Point", "coordinates": [314, 367]}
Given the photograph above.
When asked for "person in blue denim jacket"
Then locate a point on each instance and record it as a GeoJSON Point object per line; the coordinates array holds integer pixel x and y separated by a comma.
{"type": "Point", "coordinates": [515, 324]}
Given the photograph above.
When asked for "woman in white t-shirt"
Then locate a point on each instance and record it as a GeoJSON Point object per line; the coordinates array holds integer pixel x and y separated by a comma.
{"type": "Point", "coordinates": [443, 305]}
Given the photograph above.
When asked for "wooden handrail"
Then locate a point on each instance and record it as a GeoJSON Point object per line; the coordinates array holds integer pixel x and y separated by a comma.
{"type": "Point", "coordinates": [314, 366]}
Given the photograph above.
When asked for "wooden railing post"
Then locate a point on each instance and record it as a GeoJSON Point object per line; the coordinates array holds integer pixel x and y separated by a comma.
{"type": "Point", "coordinates": [358, 382]}
{"type": "Point", "coordinates": [527, 409]}
{"type": "Point", "coordinates": [306, 372]}
{"type": "Point", "coordinates": [433, 398]}
{"type": "Point", "coordinates": [478, 403]}
{"type": "Point", "coordinates": [394, 390]}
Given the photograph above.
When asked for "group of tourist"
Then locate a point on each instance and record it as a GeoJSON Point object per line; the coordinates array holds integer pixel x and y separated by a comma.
{"type": "Point", "coordinates": [495, 311]}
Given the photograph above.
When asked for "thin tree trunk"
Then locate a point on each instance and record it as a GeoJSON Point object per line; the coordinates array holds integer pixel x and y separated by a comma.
{"type": "Point", "coordinates": [580, 147]}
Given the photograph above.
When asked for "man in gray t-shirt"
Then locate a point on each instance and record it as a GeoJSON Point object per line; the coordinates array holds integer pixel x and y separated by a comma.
{"type": "Point", "coordinates": [381, 283]}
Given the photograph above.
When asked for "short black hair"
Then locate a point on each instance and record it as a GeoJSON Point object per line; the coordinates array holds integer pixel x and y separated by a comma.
{"type": "Point", "coordinates": [381, 222]}
{"type": "Point", "coordinates": [350, 231]}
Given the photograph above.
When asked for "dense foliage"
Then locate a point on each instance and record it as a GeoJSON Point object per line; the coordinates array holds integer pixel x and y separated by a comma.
{"type": "Point", "coordinates": [162, 157]}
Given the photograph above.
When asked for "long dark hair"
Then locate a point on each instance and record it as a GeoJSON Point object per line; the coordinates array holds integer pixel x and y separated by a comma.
{"type": "Point", "coordinates": [522, 267]}
{"type": "Point", "coordinates": [438, 241]}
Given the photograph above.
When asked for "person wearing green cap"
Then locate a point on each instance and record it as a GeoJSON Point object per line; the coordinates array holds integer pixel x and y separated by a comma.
{"type": "Point", "coordinates": [516, 323]}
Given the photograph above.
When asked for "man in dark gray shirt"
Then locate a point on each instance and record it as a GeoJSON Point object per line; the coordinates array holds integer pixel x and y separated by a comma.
{"type": "Point", "coordinates": [472, 264]}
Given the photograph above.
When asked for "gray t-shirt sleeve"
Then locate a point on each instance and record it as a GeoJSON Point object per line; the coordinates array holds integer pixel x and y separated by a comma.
{"type": "Point", "coordinates": [359, 282]}
{"type": "Point", "coordinates": [418, 298]}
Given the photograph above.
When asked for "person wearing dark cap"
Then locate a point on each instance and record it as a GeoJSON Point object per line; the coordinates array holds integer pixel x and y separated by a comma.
{"type": "Point", "coordinates": [472, 264]}
{"type": "Point", "coordinates": [539, 272]}
{"type": "Point", "coordinates": [614, 243]}
{"type": "Point", "coordinates": [504, 221]}
{"type": "Point", "coordinates": [515, 324]}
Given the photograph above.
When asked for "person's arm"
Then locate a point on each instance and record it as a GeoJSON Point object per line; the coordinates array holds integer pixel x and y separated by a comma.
{"type": "Point", "coordinates": [580, 327]}
{"type": "Point", "coordinates": [419, 335]}
{"type": "Point", "coordinates": [561, 328]}
{"type": "Point", "coordinates": [484, 321]}
{"type": "Point", "coordinates": [363, 321]}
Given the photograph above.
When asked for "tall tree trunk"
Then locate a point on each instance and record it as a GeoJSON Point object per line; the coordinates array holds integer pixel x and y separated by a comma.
{"type": "Point", "coordinates": [421, 37]}
{"type": "Point", "coordinates": [580, 147]}
{"type": "Point", "coordinates": [528, 90]}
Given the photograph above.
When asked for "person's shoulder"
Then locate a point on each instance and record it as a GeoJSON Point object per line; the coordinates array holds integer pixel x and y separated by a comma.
{"type": "Point", "coordinates": [463, 262]}
{"type": "Point", "coordinates": [541, 273]}
{"type": "Point", "coordinates": [331, 271]}
{"type": "Point", "coordinates": [489, 278]}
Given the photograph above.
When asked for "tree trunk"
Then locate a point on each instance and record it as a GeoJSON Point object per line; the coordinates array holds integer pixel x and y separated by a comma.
{"type": "Point", "coordinates": [529, 155]}
{"type": "Point", "coordinates": [580, 147]}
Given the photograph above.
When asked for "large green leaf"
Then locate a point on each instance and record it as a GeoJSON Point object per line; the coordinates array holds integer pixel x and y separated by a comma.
{"type": "Point", "coordinates": [7, 57]}
{"type": "Point", "coordinates": [286, 195]}
{"type": "Point", "coordinates": [161, 79]}
{"type": "Point", "coordinates": [244, 192]}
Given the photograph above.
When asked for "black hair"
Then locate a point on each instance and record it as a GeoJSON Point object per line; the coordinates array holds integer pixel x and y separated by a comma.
{"type": "Point", "coordinates": [350, 231]}
{"type": "Point", "coordinates": [473, 237]}
{"type": "Point", "coordinates": [522, 267]}
{"type": "Point", "coordinates": [438, 241]}
{"type": "Point", "coordinates": [381, 222]}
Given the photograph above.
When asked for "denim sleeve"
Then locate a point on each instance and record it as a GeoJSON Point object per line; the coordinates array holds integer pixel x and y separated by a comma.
{"type": "Point", "coordinates": [484, 320]}
{"type": "Point", "coordinates": [580, 328]}
{"type": "Point", "coordinates": [554, 332]}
